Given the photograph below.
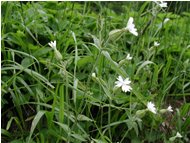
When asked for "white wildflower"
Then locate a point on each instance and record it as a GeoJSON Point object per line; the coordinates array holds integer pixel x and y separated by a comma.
{"type": "Point", "coordinates": [56, 52]}
{"type": "Point", "coordinates": [129, 57]}
{"type": "Point", "coordinates": [52, 44]}
{"type": "Point", "coordinates": [161, 3]}
{"type": "Point", "coordinates": [170, 109]}
{"type": "Point", "coordinates": [93, 74]}
{"type": "Point", "coordinates": [124, 84]}
{"type": "Point", "coordinates": [178, 135]}
{"type": "Point", "coordinates": [131, 27]}
{"type": "Point", "coordinates": [156, 44]}
{"type": "Point", "coordinates": [151, 107]}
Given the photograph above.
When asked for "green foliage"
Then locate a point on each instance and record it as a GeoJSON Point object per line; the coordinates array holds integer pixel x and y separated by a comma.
{"type": "Point", "coordinates": [68, 93]}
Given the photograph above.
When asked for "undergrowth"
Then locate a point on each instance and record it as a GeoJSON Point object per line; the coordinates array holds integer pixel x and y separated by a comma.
{"type": "Point", "coordinates": [98, 80]}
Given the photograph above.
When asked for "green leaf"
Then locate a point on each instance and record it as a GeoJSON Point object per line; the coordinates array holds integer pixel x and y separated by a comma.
{"type": "Point", "coordinates": [145, 63]}
{"type": "Point", "coordinates": [97, 42]}
{"type": "Point", "coordinates": [17, 122]}
{"type": "Point", "coordinates": [63, 126]}
{"type": "Point", "coordinates": [114, 65]}
{"type": "Point", "coordinates": [34, 123]}
{"type": "Point", "coordinates": [84, 61]}
{"type": "Point", "coordinates": [78, 137]}
{"type": "Point", "coordinates": [99, 141]}
{"type": "Point", "coordinates": [6, 133]}
{"type": "Point", "coordinates": [18, 141]}
{"type": "Point", "coordinates": [26, 62]}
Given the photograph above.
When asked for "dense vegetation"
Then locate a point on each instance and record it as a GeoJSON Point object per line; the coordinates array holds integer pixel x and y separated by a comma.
{"type": "Point", "coordinates": [113, 72]}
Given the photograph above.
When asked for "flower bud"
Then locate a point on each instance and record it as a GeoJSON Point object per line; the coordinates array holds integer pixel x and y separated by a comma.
{"type": "Point", "coordinates": [58, 55]}
{"type": "Point", "coordinates": [140, 113]}
{"type": "Point", "coordinates": [162, 111]}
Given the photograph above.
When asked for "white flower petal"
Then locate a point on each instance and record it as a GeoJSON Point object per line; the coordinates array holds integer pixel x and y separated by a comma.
{"type": "Point", "coordinates": [130, 22]}
{"type": "Point", "coordinates": [120, 79]}
{"type": "Point", "coordinates": [134, 32]}
{"type": "Point", "coordinates": [127, 81]}
{"type": "Point", "coordinates": [118, 84]}
{"type": "Point", "coordinates": [126, 88]}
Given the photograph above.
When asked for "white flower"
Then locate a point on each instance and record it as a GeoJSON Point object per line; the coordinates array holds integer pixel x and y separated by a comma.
{"type": "Point", "coordinates": [151, 107]}
{"type": "Point", "coordinates": [124, 84]}
{"type": "Point", "coordinates": [156, 44]}
{"type": "Point", "coordinates": [178, 135]}
{"type": "Point", "coordinates": [52, 44]}
{"type": "Point", "coordinates": [129, 57]}
{"type": "Point", "coordinates": [131, 27]}
{"type": "Point", "coordinates": [56, 52]}
{"type": "Point", "coordinates": [161, 3]}
{"type": "Point", "coordinates": [93, 74]}
{"type": "Point", "coordinates": [170, 109]}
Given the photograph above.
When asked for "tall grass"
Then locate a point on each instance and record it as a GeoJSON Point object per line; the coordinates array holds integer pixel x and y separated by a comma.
{"type": "Point", "coordinates": [68, 93]}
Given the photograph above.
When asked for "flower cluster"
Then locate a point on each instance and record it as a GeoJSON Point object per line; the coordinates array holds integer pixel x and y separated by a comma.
{"type": "Point", "coordinates": [125, 83]}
